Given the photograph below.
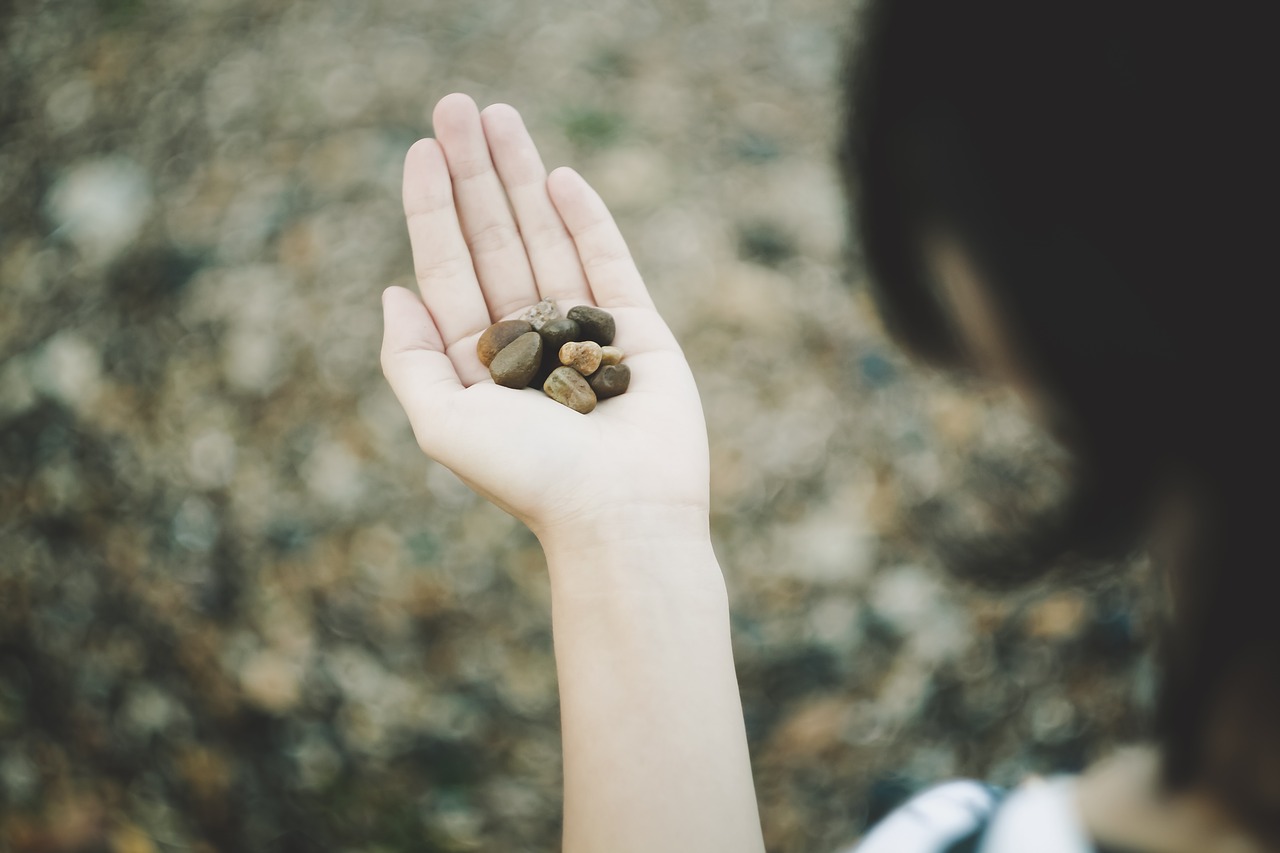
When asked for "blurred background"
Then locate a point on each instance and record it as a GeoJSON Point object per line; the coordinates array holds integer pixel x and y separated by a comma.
{"type": "Point", "coordinates": [239, 611]}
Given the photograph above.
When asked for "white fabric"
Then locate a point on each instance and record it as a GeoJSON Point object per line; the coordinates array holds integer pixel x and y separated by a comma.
{"type": "Point", "coordinates": [1040, 817]}
{"type": "Point", "coordinates": [931, 820]}
{"type": "Point", "coordinates": [1036, 818]}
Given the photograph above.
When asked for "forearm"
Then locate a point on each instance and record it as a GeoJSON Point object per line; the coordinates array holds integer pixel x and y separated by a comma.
{"type": "Point", "coordinates": [655, 750]}
{"type": "Point", "coordinates": [655, 753]}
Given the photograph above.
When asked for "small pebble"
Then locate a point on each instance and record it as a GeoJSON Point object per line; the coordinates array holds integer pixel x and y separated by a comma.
{"type": "Point", "coordinates": [582, 356]}
{"type": "Point", "coordinates": [555, 334]}
{"type": "Point", "coordinates": [571, 358]}
{"type": "Point", "coordinates": [498, 336]}
{"type": "Point", "coordinates": [558, 332]}
{"type": "Point", "coordinates": [566, 386]}
{"type": "Point", "coordinates": [597, 325]}
{"type": "Point", "coordinates": [518, 361]}
{"type": "Point", "coordinates": [610, 380]}
{"type": "Point", "coordinates": [541, 314]}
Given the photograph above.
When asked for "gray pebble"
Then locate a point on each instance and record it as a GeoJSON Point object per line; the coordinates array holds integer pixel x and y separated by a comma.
{"type": "Point", "coordinates": [558, 332]}
{"type": "Point", "coordinates": [596, 324]}
{"type": "Point", "coordinates": [610, 380]}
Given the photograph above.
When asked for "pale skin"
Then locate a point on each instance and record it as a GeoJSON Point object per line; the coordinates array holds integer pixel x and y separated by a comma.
{"type": "Point", "coordinates": [655, 753]}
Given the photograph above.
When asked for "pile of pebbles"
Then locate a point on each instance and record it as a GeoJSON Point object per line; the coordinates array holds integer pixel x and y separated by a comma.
{"type": "Point", "coordinates": [572, 358]}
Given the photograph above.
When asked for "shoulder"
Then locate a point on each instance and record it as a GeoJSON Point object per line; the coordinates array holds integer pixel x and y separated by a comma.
{"type": "Point", "coordinates": [968, 815]}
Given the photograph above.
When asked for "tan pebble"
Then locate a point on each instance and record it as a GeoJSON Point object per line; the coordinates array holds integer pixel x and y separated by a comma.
{"type": "Point", "coordinates": [566, 386]}
{"type": "Point", "coordinates": [610, 355]}
{"type": "Point", "coordinates": [498, 336]}
{"type": "Point", "coordinates": [515, 365]}
{"type": "Point", "coordinates": [610, 380]}
{"type": "Point", "coordinates": [582, 356]}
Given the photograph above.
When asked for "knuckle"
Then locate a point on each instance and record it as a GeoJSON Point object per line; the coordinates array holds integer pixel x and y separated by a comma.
{"type": "Point", "coordinates": [442, 268]}
{"type": "Point", "coordinates": [493, 237]}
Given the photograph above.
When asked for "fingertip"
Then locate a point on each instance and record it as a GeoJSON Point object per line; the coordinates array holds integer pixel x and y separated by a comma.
{"type": "Point", "coordinates": [404, 314]}
{"type": "Point", "coordinates": [564, 180]}
{"type": "Point", "coordinates": [454, 107]}
{"type": "Point", "coordinates": [502, 121]}
{"type": "Point", "coordinates": [564, 173]}
{"type": "Point", "coordinates": [455, 100]}
{"type": "Point", "coordinates": [393, 293]}
{"type": "Point", "coordinates": [426, 176]}
{"type": "Point", "coordinates": [500, 111]}
{"type": "Point", "coordinates": [424, 147]}
{"type": "Point", "coordinates": [420, 154]}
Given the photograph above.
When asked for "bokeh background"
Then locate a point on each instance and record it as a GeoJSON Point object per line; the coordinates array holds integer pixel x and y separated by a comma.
{"type": "Point", "coordinates": [239, 611]}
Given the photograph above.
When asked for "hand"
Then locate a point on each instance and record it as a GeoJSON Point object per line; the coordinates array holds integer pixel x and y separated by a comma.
{"type": "Point", "coordinates": [492, 234]}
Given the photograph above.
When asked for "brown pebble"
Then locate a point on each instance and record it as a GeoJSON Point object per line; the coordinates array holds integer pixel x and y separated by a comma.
{"type": "Point", "coordinates": [610, 380]}
{"type": "Point", "coordinates": [582, 356]}
{"type": "Point", "coordinates": [498, 336]}
{"type": "Point", "coordinates": [597, 325]}
{"type": "Point", "coordinates": [566, 386]}
{"type": "Point", "coordinates": [610, 355]}
{"type": "Point", "coordinates": [518, 361]}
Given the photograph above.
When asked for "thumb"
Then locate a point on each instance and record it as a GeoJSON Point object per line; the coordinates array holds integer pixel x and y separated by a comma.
{"type": "Point", "coordinates": [414, 361]}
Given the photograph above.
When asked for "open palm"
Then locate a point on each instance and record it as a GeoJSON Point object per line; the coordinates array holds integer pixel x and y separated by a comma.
{"type": "Point", "coordinates": [492, 234]}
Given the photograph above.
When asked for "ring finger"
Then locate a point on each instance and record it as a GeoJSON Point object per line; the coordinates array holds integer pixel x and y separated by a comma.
{"type": "Point", "coordinates": [551, 251]}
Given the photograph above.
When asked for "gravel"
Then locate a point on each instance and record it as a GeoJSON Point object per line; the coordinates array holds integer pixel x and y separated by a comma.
{"type": "Point", "coordinates": [238, 610]}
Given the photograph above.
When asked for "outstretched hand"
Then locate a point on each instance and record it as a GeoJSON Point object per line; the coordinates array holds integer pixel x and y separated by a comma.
{"type": "Point", "coordinates": [492, 234]}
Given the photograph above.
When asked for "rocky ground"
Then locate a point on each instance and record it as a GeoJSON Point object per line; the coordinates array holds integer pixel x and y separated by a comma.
{"type": "Point", "coordinates": [239, 611]}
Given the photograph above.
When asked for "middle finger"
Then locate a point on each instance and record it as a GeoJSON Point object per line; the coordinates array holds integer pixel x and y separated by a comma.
{"type": "Point", "coordinates": [497, 252]}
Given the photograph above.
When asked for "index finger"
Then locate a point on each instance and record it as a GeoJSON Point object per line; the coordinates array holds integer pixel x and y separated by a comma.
{"type": "Point", "coordinates": [441, 259]}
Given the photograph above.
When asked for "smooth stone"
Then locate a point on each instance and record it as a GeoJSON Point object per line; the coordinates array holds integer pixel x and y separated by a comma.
{"type": "Point", "coordinates": [610, 380]}
{"type": "Point", "coordinates": [558, 332]}
{"type": "Point", "coordinates": [567, 387]}
{"type": "Point", "coordinates": [498, 336]}
{"type": "Point", "coordinates": [541, 314]}
{"type": "Point", "coordinates": [597, 325]}
{"type": "Point", "coordinates": [610, 355]}
{"type": "Point", "coordinates": [555, 334]}
{"type": "Point", "coordinates": [550, 361]}
{"type": "Point", "coordinates": [582, 356]}
{"type": "Point", "coordinates": [518, 361]}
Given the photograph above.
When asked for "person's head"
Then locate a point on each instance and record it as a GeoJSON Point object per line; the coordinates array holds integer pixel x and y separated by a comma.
{"type": "Point", "coordinates": [1102, 171]}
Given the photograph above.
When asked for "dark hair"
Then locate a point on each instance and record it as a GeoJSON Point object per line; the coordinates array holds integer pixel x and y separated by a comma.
{"type": "Point", "coordinates": [1107, 167]}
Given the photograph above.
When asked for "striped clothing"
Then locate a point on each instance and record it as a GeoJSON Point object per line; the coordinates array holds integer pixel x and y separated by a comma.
{"type": "Point", "coordinates": [970, 817]}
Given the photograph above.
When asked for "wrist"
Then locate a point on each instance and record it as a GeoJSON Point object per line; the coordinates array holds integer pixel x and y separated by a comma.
{"type": "Point", "coordinates": [632, 549]}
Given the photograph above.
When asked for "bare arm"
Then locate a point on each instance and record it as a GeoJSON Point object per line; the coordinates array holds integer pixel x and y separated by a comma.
{"type": "Point", "coordinates": [654, 746]}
